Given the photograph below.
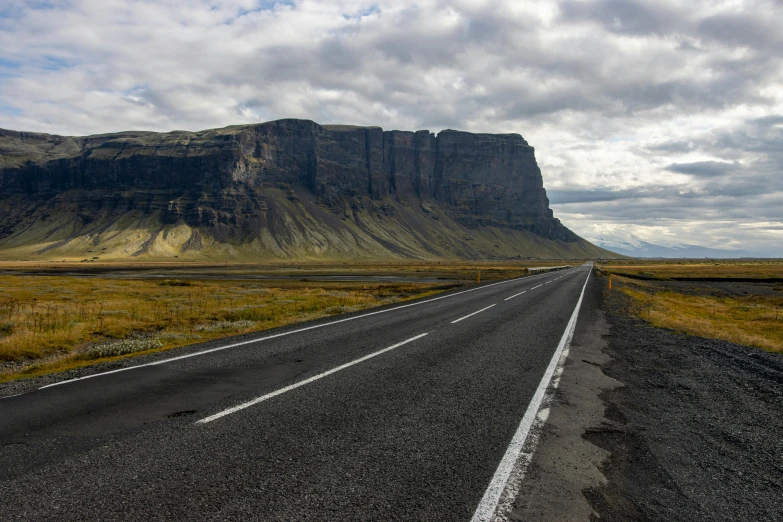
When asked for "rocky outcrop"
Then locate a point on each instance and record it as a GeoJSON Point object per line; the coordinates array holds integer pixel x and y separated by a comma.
{"type": "Point", "coordinates": [229, 180]}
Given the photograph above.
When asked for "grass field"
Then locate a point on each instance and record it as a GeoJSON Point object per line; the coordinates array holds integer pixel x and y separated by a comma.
{"type": "Point", "coordinates": [56, 316]}
{"type": "Point", "coordinates": [52, 323]}
{"type": "Point", "coordinates": [743, 312]}
{"type": "Point", "coordinates": [668, 269]}
{"type": "Point", "coordinates": [450, 270]}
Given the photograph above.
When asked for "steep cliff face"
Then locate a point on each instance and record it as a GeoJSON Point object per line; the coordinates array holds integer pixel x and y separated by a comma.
{"type": "Point", "coordinates": [268, 182]}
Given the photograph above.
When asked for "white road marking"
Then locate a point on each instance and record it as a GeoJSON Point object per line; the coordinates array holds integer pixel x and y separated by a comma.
{"type": "Point", "coordinates": [547, 282]}
{"type": "Point", "coordinates": [489, 502]}
{"type": "Point", "coordinates": [242, 343]}
{"type": "Point", "coordinates": [513, 296]}
{"type": "Point", "coordinates": [539, 286]}
{"type": "Point", "coordinates": [281, 391]}
{"type": "Point", "coordinates": [474, 313]}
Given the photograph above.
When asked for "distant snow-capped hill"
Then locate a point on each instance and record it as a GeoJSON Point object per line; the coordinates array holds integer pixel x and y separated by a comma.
{"type": "Point", "coordinates": [645, 249]}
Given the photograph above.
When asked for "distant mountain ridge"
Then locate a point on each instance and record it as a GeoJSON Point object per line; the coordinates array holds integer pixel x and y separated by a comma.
{"type": "Point", "coordinates": [278, 190]}
{"type": "Point", "coordinates": [645, 249]}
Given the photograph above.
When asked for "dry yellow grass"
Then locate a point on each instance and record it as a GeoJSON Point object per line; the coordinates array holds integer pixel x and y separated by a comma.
{"type": "Point", "coordinates": [465, 270]}
{"type": "Point", "coordinates": [752, 321]}
{"type": "Point", "coordinates": [50, 323]}
{"type": "Point", "coordinates": [761, 269]}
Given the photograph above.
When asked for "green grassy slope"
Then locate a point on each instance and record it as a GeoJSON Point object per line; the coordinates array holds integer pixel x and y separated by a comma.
{"type": "Point", "coordinates": [296, 228]}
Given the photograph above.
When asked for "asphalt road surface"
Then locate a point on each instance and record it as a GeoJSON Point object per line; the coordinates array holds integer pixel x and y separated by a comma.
{"type": "Point", "coordinates": [404, 413]}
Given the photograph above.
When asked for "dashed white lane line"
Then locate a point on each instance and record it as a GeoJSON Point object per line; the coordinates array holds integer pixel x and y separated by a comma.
{"type": "Point", "coordinates": [299, 384]}
{"type": "Point", "coordinates": [274, 336]}
{"type": "Point", "coordinates": [250, 341]}
{"type": "Point", "coordinates": [513, 296]}
{"type": "Point", "coordinates": [489, 502]}
{"type": "Point", "coordinates": [474, 313]}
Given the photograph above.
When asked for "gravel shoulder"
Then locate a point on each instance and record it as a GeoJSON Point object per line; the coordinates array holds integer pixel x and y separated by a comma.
{"type": "Point", "coordinates": [565, 463]}
{"type": "Point", "coordinates": [648, 424]}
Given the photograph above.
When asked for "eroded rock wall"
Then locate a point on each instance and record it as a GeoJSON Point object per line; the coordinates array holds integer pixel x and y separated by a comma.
{"type": "Point", "coordinates": [217, 178]}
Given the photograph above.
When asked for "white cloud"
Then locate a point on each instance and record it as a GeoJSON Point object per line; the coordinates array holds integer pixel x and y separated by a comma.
{"type": "Point", "coordinates": [611, 93]}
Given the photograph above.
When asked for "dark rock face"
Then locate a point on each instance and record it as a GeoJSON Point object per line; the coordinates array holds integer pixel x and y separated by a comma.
{"type": "Point", "coordinates": [218, 177]}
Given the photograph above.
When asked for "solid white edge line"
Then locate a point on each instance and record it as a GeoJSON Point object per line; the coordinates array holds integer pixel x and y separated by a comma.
{"type": "Point", "coordinates": [489, 502]}
{"type": "Point", "coordinates": [242, 343]}
{"type": "Point", "coordinates": [474, 313]}
{"type": "Point", "coordinates": [515, 295]}
{"type": "Point", "coordinates": [281, 391]}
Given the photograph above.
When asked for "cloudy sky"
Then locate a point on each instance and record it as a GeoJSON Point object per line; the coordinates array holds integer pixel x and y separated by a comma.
{"type": "Point", "coordinates": [653, 120]}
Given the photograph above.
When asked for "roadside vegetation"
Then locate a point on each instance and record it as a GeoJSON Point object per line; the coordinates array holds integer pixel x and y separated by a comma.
{"type": "Point", "coordinates": [52, 323]}
{"type": "Point", "coordinates": [450, 270]}
{"type": "Point", "coordinates": [746, 314]}
{"type": "Point", "coordinates": [699, 269]}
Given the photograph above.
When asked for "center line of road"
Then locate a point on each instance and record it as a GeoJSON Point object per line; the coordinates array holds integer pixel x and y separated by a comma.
{"type": "Point", "coordinates": [281, 334]}
{"type": "Point", "coordinates": [294, 386]}
{"type": "Point", "coordinates": [513, 296]}
{"type": "Point", "coordinates": [474, 313]}
{"type": "Point", "coordinates": [539, 286]}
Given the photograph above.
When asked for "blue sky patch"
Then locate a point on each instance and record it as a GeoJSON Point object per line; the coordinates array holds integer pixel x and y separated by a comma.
{"type": "Point", "coordinates": [373, 9]}
{"type": "Point", "coordinates": [8, 64]}
{"type": "Point", "coordinates": [262, 6]}
{"type": "Point", "coordinates": [7, 109]}
{"type": "Point", "coordinates": [55, 64]}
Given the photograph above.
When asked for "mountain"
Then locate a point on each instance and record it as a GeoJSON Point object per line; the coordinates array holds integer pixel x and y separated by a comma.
{"type": "Point", "coordinates": [644, 249]}
{"type": "Point", "coordinates": [277, 190]}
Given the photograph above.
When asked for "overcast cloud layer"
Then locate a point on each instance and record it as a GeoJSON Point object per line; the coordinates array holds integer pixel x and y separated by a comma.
{"type": "Point", "coordinates": [652, 119]}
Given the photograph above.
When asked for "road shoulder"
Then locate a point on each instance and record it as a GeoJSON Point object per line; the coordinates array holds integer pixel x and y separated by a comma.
{"type": "Point", "coordinates": [696, 429]}
{"type": "Point", "coordinates": [649, 424]}
{"type": "Point", "coordinates": [564, 463]}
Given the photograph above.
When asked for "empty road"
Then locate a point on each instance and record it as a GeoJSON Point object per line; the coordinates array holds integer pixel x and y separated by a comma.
{"type": "Point", "coordinates": [411, 412]}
